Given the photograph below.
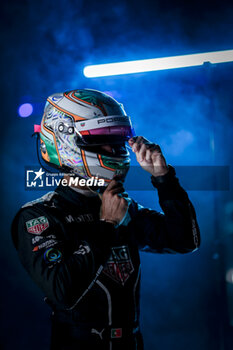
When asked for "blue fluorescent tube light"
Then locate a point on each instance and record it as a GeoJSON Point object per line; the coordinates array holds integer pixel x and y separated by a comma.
{"type": "Point", "coordinates": [149, 65]}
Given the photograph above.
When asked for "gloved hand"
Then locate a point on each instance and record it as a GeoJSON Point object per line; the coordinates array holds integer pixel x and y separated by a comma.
{"type": "Point", "coordinates": [149, 156]}
{"type": "Point", "coordinates": [114, 206]}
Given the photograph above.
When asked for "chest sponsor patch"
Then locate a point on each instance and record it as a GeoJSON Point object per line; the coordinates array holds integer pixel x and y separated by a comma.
{"type": "Point", "coordinates": [38, 225]}
{"type": "Point", "coordinates": [46, 244]}
{"type": "Point", "coordinates": [80, 218]}
{"type": "Point", "coordinates": [37, 239]}
{"type": "Point", "coordinates": [119, 266]}
{"type": "Point", "coordinates": [52, 255]}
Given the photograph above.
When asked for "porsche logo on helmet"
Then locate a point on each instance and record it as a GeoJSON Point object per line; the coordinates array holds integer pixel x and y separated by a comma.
{"type": "Point", "coordinates": [111, 119]}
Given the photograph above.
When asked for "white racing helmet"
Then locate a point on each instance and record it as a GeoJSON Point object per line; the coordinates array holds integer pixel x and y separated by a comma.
{"type": "Point", "coordinates": [76, 124]}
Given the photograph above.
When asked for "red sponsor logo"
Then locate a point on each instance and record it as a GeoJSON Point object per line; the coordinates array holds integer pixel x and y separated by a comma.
{"type": "Point", "coordinates": [38, 225]}
{"type": "Point", "coordinates": [37, 229]}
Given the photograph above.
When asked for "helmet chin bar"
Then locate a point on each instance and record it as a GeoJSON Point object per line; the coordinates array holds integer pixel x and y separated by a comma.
{"type": "Point", "coordinates": [70, 171]}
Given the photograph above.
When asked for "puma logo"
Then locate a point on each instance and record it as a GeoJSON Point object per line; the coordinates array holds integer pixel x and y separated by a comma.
{"type": "Point", "coordinates": [100, 334]}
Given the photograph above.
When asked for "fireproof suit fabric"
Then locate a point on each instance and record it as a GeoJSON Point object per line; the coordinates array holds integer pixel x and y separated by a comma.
{"type": "Point", "coordinates": [89, 270]}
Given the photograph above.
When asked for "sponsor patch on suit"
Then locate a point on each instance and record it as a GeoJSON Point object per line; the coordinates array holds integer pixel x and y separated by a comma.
{"type": "Point", "coordinates": [119, 266]}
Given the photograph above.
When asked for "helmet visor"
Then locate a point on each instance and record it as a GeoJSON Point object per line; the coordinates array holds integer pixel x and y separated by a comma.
{"type": "Point", "coordinates": [109, 131]}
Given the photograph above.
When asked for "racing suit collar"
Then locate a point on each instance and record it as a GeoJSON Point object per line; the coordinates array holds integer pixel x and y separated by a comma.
{"type": "Point", "coordinates": [75, 197]}
{"type": "Point", "coordinates": [86, 193]}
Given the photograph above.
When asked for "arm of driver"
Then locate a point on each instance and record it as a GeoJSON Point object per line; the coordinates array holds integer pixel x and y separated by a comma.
{"type": "Point", "coordinates": [61, 269]}
{"type": "Point", "coordinates": [176, 229]}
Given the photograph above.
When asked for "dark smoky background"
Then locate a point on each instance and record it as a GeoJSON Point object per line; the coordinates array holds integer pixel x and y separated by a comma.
{"type": "Point", "coordinates": [185, 299]}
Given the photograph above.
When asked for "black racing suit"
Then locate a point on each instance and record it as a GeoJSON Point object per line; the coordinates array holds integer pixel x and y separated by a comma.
{"type": "Point", "coordinates": [89, 270]}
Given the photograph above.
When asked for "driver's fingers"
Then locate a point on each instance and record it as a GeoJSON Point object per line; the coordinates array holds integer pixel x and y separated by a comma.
{"type": "Point", "coordinates": [142, 152]}
{"type": "Point", "coordinates": [119, 189]}
{"type": "Point", "coordinates": [113, 184]}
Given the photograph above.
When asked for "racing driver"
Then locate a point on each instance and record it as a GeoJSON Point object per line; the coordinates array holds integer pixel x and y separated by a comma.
{"type": "Point", "coordinates": [80, 244]}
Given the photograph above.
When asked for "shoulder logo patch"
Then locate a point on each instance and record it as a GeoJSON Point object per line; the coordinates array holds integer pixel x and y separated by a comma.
{"type": "Point", "coordinates": [38, 225]}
